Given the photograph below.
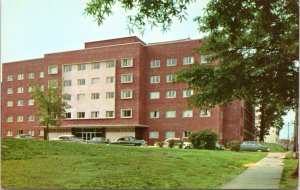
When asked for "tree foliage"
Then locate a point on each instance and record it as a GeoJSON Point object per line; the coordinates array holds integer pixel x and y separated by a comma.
{"type": "Point", "coordinates": [51, 105]}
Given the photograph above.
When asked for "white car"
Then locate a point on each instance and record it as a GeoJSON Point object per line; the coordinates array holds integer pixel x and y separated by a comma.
{"type": "Point", "coordinates": [68, 138]}
{"type": "Point", "coordinates": [178, 143]}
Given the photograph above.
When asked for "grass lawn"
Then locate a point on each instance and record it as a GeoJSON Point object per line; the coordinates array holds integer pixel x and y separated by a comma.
{"type": "Point", "coordinates": [42, 164]}
{"type": "Point", "coordinates": [287, 180]}
{"type": "Point", "coordinates": [274, 147]}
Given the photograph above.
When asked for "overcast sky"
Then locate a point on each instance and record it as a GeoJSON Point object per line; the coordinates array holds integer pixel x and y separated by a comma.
{"type": "Point", "coordinates": [32, 28]}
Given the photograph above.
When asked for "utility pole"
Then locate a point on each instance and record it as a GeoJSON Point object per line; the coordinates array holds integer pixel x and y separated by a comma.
{"type": "Point", "coordinates": [288, 142]}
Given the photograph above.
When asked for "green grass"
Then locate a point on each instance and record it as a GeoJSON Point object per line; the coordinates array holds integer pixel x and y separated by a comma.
{"type": "Point", "coordinates": [274, 147]}
{"type": "Point", "coordinates": [42, 164]}
{"type": "Point", "coordinates": [288, 181]}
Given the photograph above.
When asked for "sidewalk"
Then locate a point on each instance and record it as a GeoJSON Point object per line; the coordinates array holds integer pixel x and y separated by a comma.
{"type": "Point", "coordinates": [265, 174]}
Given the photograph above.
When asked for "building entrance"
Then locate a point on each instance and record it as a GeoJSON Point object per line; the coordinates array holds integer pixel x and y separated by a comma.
{"type": "Point", "coordinates": [88, 134]}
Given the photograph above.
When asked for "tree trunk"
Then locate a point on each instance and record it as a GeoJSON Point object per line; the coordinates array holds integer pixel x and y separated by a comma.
{"type": "Point", "coordinates": [47, 133]}
{"type": "Point", "coordinates": [295, 147]}
{"type": "Point", "coordinates": [262, 126]}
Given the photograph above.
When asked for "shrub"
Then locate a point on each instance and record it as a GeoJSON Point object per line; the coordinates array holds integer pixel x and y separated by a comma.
{"type": "Point", "coordinates": [171, 143]}
{"type": "Point", "coordinates": [204, 139]}
{"type": "Point", "coordinates": [233, 145]}
{"type": "Point", "coordinates": [160, 144]}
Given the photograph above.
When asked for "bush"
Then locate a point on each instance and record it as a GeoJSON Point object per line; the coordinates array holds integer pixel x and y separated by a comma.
{"type": "Point", "coordinates": [171, 143]}
{"type": "Point", "coordinates": [160, 144]}
{"type": "Point", "coordinates": [204, 139]}
{"type": "Point", "coordinates": [233, 145]}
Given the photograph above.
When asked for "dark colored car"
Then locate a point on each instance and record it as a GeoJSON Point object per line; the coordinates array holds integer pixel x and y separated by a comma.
{"type": "Point", "coordinates": [24, 136]}
{"type": "Point", "coordinates": [129, 141]}
{"type": "Point", "coordinates": [253, 146]}
{"type": "Point", "coordinates": [98, 140]}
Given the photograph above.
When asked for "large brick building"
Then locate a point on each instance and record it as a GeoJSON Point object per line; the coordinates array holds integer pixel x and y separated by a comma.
{"type": "Point", "coordinates": [119, 87]}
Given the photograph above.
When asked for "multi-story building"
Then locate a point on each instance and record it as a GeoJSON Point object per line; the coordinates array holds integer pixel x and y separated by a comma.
{"type": "Point", "coordinates": [119, 87]}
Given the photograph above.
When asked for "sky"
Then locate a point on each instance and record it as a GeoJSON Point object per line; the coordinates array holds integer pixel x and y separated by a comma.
{"type": "Point", "coordinates": [32, 28]}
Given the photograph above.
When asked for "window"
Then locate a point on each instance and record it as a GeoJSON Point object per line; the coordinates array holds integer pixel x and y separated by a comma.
{"type": "Point", "coordinates": [127, 62]}
{"type": "Point", "coordinates": [95, 96]}
{"type": "Point", "coordinates": [52, 84]}
{"type": "Point", "coordinates": [9, 119]}
{"type": "Point", "coordinates": [30, 102]}
{"type": "Point", "coordinates": [10, 78]}
{"type": "Point", "coordinates": [187, 113]}
{"type": "Point", "coordinates": [81, 82]}
{"type": "Point", "coordinates": [20, 103]}
{"type": "Point", "coordinates": [41, 132]}
{"type": "Point", "coordinates": [110, 64]}
{"type": "Point", "coordinates": [80, 114]}
{"type": "Point", "coordinates": [42, 88]}
{"type": "Point", "coordinates": [109, 114]}
{"type": "Point", "coordinates": [170, 78]}
{"type": "Point", "coordinates": [67, 68]}
{"type": "Point", "coordinates": [188, 60]}
{"type": "Point", "coordinates": [41, 74]}
{"type": "Point", "coordinates": [187, 93]}
{"type": "Point", "coordinates": [68, 115]}
{"type": "Point", "coordinates": [30, 75]}
{"type": "Point", "coordinates": [154, 114]}
{"type": "Point", "coordinates": [67, 82]}
{"type": "Point", "coordinates": [126, 113]}
{"type": "Point", "coordinates": [186, 134]}
{"type": "Point", "coordinates": [153, 134]}
{"type": "Point", "coordinates": [9, 133]}
{"type": "Point", "coordinates": [155, 63]}
{"type": "Point", "coordinates": [154, 95]}
{"type": "Point", "coordinates": [9, 103]}
{"type": "Point", "coordinates": [80, 96]}
{"type": "Point", "coordinates": [154, 79]}
{"type": "Point", "coordinates": [171, 114]}
{"type": "Point", "coordinates": [110, 95]}
{"type": "Point", "coordinates": [31, 118]}
{"type": "Point", "coordinates": [95, 65]}
{"type": "Point", "coordinates": [9, 91]}
{"type": "Point", "coordinates": [81, 67]}
{"type": "Point", "coordinates": [126, 78]}
{"type": "Point", "coordinates": [20, 118]}
{"type": "Point", "coordinates": [52, 70]}
{"type": "Point", "coordinates": [110, 79]}
{"type": "Point", "coordinates": [203, 58]}
{"type": "Point", "coordinates": [126, 94]}
{"type": "Point", "coordinates": [67, 97]}
{"type": "Point", "coordinates": [20, 77]}
{"type": "Point", "coordinates": [95, 80]}
{"type": "Point", "coordinates": [171, 94]}
{"type": "Point", "coordinates": [30, 88]}
{"type": "Point", "coordinates": [170, 134]}
{"type": "Point", "coordinates": [95, 114]}
{"type": "Point", "coordinates": [20, 90]}
{"type": "Point", "coordinates": [31, 132]}
{"type": "Point", "coordinates": [205, 113]}
{"type": "Point", "coordinates": [19, 132]}
{"type": "Point", "coordinates": [171, 62]}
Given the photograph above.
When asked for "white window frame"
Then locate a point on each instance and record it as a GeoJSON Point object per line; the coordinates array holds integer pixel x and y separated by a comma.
{"type": "Point", "coordinates": [111, 64]}
{"type": "Point", "coordinates": [171, 62]}
{"type": "Point", "coordinates": [170, 78]}
{"type": "Point", "coordinates": [154, 79]}
{"type": "Point", "coordinates": [95, 65]}
{"type": "Point", "coordinates": [127, 78]}
{"type": "Point", "coordinates": [67, 68]}
{"type": "Point", "coordinates": [205, 113]}
{"type": "Point", "coordinates": [31, 88]}
{"type": "Point", "coordinates": [9, 90]}
{"type": "Point", "coordinates": [41, 74]}
{"type": "Point", "coordinates": [20, 90]}
{"type": "Point", "coordinates": [9, 103]}
{"type": "Point", "coordinates": [188, 60]}
{"type": "Point", "coordinates": [126, 94]}
{"type": "Point", "coordinates": [20, 102]}
{"type": "Point", "coordinates": [31, 132]}
{"type": "Point", "coordinates": [155, 63]}
{"type": "Point", "coordinates": [95, 96]}
{"type": "Point", "coordinates": [80, 82]}
{"type": "Point", "coordinates": [9, 119]}
{"type": "Point", "coordinates": [20, 118]}
{"type": "Point", "coordinates": [170, 134]}
{"type": "Point", "coordinates": [9, 133]}
{"type": "Point", "coordinates": [187, 113]}
{"type": "Point", "coordinates": [110, 79]}
{"type": "Point", "coordinates": [81, 67]}
{"type": "Point", "coordinates": [95, 114]}
{"type": "Point", "coordinates": [52, 70]}
{"type": "Point", "coordinates": [126, 62]}
{"type": "Point", "coordinates": [67, 83]}
{"type": "Point", "coordinates": [203, 59]}
{"type": "Point", "coordinates": [31, 118]}
{"type": "Point", "coordinates": [31, 75]}
{"type": "Point", "coordinates": [154, 95]}
{"type": "Point", "coordinates": [107, 113]}
{"type": "Point", "coordinates": [171, 94]}
{"type": "Point", "coordinates": [170, 114]}
{"type": "Point", "coordinates": [20, 76]}
{"type": "Point", "coordinates": [153, 134]}
{"type": "Point", "coordinates": [123, 111]}
{"type": "Point", "coordinates": [80, 115]}
{"type": "Point", "coordinates": [41, 132]}
{"type": "Point", "coordinates": [68, 115]}
{"type": "Point", "coordinates": [30, 102]}
{"type": "Point", "coordinates": [185, 93]}
{"type": "Point", "coordinates": [42, 87]}
{"type": "Point", "coordinates": [154, 114]}
{"type": "Point", "coordinates": [10, 78]}
{"type": "Point", "coordinates": [110, 95]}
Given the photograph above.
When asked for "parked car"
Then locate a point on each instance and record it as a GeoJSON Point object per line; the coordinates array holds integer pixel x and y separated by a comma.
{"type": "Point", "coordinates": [129, 141]}
{"type": "Point", "coordinates": [24, 136]}
{"type": "Point", "coordinates": [178, 142]}
{"type": "Point", "coordinates": [253, 146]}
{"type": "Point", "coordinates": [69, 138]}
{"type": "Point", "coordinates": [98, 140]}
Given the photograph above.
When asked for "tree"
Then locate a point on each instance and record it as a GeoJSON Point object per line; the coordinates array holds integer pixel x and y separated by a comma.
{"type": "Point", "coordinates": [51, 106]}
{"type": "Point", "coordinates": [256, 44]}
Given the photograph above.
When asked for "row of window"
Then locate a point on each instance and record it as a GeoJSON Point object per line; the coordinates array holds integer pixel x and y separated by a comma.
{"type": "Point", "coordinates": [10, 103]}
{"type": "Point", "coordinates": [20, 76]}
{"type": "Point", "coordinates": [171, 94]}
{"type": "Point", "coordinates": [173, 61]}
{"type": "Point", "coordinates": [168, 134]}
{"type": "Point", "coordinates": [9, 133]}
{"type": "Point", "coordinates": [20, 89]}
{"type": "Point", "coordinates": [82, 67]}
{"type": "Point", "coordinates": [185, 113]}
{"type": "Point", "coordinates": [125, 113]}
{"type": "Point", "coordinates": [20, 118]}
